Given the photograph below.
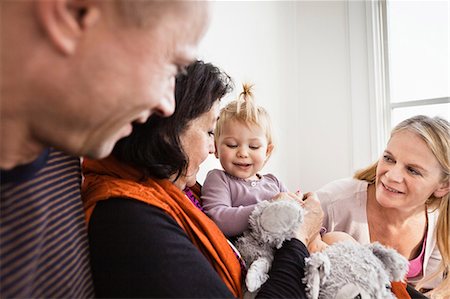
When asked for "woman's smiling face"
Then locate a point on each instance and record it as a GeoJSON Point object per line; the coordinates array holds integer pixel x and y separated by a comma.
{"type": "Point", "coordinates": [408, 173]}
{"type": "Point", "coordinates": [198, 142]}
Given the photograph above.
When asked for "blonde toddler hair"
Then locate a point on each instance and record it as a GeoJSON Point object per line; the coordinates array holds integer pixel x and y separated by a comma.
{"type": "Point", "coordinates": [244, 110]}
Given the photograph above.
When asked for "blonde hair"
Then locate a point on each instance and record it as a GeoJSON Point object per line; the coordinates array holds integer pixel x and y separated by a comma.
{"type": "Point", "coordinates": [436, 134]}
{"type": "Point", "coordinates": [244, 110]}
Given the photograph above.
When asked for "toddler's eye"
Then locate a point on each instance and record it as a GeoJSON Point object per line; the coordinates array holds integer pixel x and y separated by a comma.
{"type": "Point", "coordinates": [254, 147]}
{"type": "Point", "coordinates": [231, 145]}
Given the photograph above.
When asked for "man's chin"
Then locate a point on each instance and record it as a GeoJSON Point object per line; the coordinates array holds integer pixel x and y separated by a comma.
{"type": "Point", "coordinates": [101, 151]}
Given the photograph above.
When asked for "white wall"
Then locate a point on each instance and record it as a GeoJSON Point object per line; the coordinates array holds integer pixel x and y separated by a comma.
{"type": "Point", "coordinates": [308, 61]}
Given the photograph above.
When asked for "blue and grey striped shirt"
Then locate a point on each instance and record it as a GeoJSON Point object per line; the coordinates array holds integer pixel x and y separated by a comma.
{"type": "Point", "coordinates": [43, 242]}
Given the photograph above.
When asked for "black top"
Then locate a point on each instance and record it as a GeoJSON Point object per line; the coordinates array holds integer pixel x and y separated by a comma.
{"type": "Point", "coordinates": [414, 293]}
{"type": "Point", "coordinates": [137, 250]}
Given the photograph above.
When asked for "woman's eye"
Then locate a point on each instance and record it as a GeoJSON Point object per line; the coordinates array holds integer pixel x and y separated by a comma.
{"type": "Point", "coordinates": [413, 171]}
{"type": "Point", "coordinates": [387, 158]}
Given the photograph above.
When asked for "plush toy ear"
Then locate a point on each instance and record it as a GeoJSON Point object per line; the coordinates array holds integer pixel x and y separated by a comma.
{"type": "Point", "coordinates": [394, 263]}
{"type": "Point", "coordinates": [316, 272]}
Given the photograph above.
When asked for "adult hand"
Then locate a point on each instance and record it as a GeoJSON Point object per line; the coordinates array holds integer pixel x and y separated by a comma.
{"type": "Point", "coordinates": [312, 221]}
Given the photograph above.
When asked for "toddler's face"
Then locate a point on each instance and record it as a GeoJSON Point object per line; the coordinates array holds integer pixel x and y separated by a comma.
{"type": "Point", "coordinates": [242, 149]}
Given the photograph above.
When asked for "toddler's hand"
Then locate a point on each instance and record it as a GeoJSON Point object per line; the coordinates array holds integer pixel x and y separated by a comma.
{"type": "Point", "coordinates": [286, 195]}
{"type": "Point", "coordinates": [299, 194]}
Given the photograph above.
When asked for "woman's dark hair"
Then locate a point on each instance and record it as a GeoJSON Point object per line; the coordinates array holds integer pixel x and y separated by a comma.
{"type": "Point", "coordinates": [155, 147]}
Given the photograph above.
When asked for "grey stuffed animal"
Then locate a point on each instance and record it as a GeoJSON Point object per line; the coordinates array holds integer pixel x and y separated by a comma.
{"type": "Point", "coordinates": [351, 270]}
{"type": "Point", "coordinates": [343, 270]}
{"type": "Point", "coordinates": [271, 223]}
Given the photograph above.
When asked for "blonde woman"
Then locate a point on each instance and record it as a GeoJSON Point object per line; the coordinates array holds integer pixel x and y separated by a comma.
{"type": "Point", "coordinates": [402, 201]}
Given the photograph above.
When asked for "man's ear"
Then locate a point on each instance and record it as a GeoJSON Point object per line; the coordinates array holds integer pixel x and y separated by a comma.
{"type": "Point", "coordinates": [64, 21]}
{"type": "Point", "coordinates": [443, 189]}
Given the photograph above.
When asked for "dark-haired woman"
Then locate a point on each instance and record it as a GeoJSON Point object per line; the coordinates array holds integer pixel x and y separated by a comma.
{"type": "Point", "coordinates": [147, 238]}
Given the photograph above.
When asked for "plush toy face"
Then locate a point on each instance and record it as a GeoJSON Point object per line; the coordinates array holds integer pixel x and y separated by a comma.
{"type": "Point", "coordinates": [274, 222]}
{"type": "Point", "coordinates": [271, 223]}
{"type": "Point", "coordinates": [349, 270]}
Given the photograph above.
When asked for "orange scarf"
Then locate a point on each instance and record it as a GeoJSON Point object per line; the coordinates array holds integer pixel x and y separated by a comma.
{"type": "Point", "coordinates": [399, 290]}
{"type": "Point", "coordinates": [109, 178]}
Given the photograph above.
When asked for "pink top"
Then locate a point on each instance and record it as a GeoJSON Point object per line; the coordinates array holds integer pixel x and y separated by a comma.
{"type": "Point", "coordinates": [416, 264]}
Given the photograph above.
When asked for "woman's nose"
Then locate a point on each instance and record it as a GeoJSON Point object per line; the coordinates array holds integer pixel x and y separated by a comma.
{"type": "Point", "coordinates": [212, 148]}
{"type": "Point", "coordinates": [395, 173]}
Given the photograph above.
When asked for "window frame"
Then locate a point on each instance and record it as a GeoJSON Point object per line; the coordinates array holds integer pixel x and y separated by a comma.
{"type": "Point", "coordinates": [380, 102]}
{"type": "Point", "coordinates": [378, 75]}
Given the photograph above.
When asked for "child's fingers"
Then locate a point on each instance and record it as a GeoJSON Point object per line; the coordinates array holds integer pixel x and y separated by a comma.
{"type": "Point", "coordinates": [299, 193]}
{"type": "Point", "coordinates": [298, 196]}
{"type": "Point", "coordinates": [310, 195]}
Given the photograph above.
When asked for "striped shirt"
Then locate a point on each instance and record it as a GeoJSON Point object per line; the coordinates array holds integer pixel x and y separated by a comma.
{"type": "Point", "coordinates": [43, 240]}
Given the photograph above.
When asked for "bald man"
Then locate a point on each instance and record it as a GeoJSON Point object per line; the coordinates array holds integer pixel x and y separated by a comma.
{"type": "Point", "coordinates": [74, 76]}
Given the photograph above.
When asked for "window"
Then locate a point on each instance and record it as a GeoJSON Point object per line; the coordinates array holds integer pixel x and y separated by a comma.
{"type": "Point", "coordinates": [411, 60]}
{"type": "Point", "coordinates": [418, 58]}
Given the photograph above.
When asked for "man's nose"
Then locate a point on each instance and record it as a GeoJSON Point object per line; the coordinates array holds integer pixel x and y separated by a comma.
{"type": "Point", "coordinates": [166, 105]}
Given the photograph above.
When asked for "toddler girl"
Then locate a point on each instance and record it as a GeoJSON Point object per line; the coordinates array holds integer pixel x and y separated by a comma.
{"type": "Point", "coordinates": [243, 139]}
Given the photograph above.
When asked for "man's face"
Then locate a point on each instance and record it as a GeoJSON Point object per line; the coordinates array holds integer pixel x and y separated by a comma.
{"type": "Point", "coordinates": [124, 73]}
